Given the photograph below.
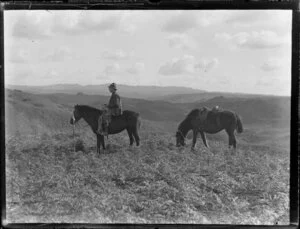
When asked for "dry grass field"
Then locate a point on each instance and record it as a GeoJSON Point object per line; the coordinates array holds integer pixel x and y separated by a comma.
{"type": "Point", "coordinates": [154, 183]}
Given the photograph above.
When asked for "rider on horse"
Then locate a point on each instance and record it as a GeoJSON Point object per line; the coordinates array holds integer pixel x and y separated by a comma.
{"type": "Point", "coordinates": [113, 109]}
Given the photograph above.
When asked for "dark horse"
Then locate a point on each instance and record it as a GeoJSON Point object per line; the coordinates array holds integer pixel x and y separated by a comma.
{"type": "Point", "coordinates": [206, 121]}
{"type": "Point", "coordinates": [129, 120]}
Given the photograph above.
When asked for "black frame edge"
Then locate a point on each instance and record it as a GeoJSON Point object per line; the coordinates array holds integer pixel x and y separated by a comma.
{"type": "Point", "coordinates": [295, 138]}
{"type": "Point", "coordinates": [2, 113]}
{"type": "Point", "coordinates": [146, 4]}
{"type": "Point", "coordinates": [295, 112]}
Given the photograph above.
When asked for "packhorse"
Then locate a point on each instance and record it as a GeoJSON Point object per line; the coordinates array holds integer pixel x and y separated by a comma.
{"type": "Point", "coordinates": [204, 121]}
{"type": "Point", "coordinates": [129, 121]}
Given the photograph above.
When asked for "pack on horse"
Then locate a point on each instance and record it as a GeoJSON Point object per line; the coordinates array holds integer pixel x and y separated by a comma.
{"type": "Point", "coordinates": [102, 125]}
{"type": "Point", "coordinates": [209, 121]}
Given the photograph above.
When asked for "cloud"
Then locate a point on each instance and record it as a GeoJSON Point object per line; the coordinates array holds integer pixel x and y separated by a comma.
{"type": "Point", "coordinates": [103, 77]}
{"type": "Point", "coordinates": [44, 24]}
{"type": "Point", "coordinates": [270, 65]}
{"type": "Point", "coordinates": [181, 22]}
{"type": "Point", "coordinates": [59, 54]}
{"type": "Point", "coordinates": [264, 82]}
{"type": "Point", "coordinates": [181, 41]}
{"type": "Point", "coordinates": [187, 65]}
{"type": "Point", "coordinates": [117, 55]}
{"type": "Point", "coordinates": [19, 56]}
{"type": "Point", "coordinates": [252, 40]}
{"type": "Point", "coordinates": [52, 74]}
{"type": "Point", "coordinates": [137, 68]}
{"type": "Point", "coordinates": [83, 21]}
{"type": "Point", "coordinates": [278, 20]}
{"type": "Point", "coordinates": [112, 69]}
{"type": "Point", "coordinates": [209, 18]}
{"type": "Point", "coordinates": [32, 25]}
{"type": "Point", "coordinates": [19, 75]}
{"type": "Point", "coordinates": [207, 65]}
{"type": "Point", "coordinates": [23, 75]}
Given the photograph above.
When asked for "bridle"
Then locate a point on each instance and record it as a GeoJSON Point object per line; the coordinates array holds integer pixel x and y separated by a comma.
{"type": "Point", "coordinates": [73, 118]}
{"type": "Point", "coordinates": [179, 131]}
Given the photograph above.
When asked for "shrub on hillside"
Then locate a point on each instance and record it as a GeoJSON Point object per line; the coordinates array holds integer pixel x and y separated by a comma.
{"type": "Point", "coordinates": [79, 145]}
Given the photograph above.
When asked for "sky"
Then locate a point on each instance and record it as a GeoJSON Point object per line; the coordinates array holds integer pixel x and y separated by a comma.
{"type": "Point", "coordinates": [218, 50]}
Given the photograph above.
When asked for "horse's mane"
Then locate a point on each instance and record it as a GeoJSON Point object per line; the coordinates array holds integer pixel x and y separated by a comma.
{"type": "Point", "coordinates": [192, 114]}
{"type": "Point", "coordinates": [86, 107]}
{"type": "Point", "coordinates": [189, 116]}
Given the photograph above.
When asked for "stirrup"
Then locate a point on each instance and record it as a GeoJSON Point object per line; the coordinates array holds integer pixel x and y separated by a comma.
{"type": "Point", "coordinates": [99, 132]}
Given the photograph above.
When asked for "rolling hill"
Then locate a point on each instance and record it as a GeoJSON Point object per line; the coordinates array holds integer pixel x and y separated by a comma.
{"type": "Point", "coordinates": [203, 96]}
{"type": "Point", "coordinates": [55, 109]}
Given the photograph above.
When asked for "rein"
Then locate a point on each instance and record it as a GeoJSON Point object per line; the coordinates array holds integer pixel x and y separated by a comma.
{"type": "Point", "coordinates": [74, 133]}
{"type": "Point", "coordinates": [74, 148]}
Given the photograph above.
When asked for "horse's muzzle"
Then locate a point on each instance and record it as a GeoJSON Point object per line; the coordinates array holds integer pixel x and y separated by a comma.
{"type": "Point", "coordinates": [180, 144]}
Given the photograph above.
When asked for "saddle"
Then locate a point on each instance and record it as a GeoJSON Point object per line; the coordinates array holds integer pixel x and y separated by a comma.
{"type": "Point", "coordinates": [211, 115]}
{"type": "Point", "coordinates": [104, 120]}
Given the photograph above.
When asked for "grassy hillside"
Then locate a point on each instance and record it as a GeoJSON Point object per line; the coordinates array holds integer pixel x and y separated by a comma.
{"type": "Point", "coordinates": [155, 183]}
{"type": "Point", "coordinates": [262, 110]}
{"type": "Point", "coordinates": [47, 181]}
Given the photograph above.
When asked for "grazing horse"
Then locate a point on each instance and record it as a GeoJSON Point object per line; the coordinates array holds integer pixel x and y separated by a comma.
{"type": "Point", "coordinates": [129, 120]}
{"type": "Point", "coordinates": [206, 121]}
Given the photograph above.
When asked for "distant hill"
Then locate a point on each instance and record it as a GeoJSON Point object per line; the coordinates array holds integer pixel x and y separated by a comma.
{"type": "Point", "coordinates": [28, 112]}
{"type": "Point", "coordinates": [203, 96]}
{"type": "Point", "coordinates": [140, 92]}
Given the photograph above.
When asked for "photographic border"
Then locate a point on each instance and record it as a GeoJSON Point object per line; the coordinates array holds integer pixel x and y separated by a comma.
{"type": "Point", "coordinates": [293, 5]}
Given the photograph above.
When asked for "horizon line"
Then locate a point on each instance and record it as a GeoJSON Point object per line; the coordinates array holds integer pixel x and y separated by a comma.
{"type": "Point", "coordinates": [104, 84]}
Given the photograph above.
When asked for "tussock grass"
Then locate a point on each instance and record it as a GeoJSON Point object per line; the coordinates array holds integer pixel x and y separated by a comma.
{"type": "Point", "coordinates": [154, 183]}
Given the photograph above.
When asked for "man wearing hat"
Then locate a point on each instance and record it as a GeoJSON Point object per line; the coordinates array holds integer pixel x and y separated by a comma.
{"type": "Point", "coordinates": [113, 108]}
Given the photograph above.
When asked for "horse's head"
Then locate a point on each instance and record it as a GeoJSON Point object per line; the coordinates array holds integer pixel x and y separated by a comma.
{"type": "Point", "coordinates": [76, 115]}
{"type": "Point", "coordinates": [180, 139]}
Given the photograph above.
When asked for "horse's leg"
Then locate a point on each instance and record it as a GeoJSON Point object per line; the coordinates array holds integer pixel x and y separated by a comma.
{"type": "Point", "coordinates": [98, 143]}
{"type": "Point", "coordinates": [203, 138]}
{"type": "Point", "coordinates": [230, 137]}
{"type": "Point", "coordinates": [102, 141]}
{"type": "Point", "coordinates": [195, 133]}
{"type": "Point", "coordinates": [136, 137]}
{"type": "Point", "coordinates": [233, 141]}
{"type": "Point", "coordinates": [130, 136]}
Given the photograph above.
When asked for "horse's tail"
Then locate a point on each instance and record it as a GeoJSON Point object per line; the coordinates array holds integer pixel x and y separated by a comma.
{"type": "Point", "coordinates": [239, 126]}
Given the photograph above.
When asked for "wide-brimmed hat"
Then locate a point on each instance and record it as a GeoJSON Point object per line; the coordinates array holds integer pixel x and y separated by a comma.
{"type": "Point", "coordinates": [113, 86]}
